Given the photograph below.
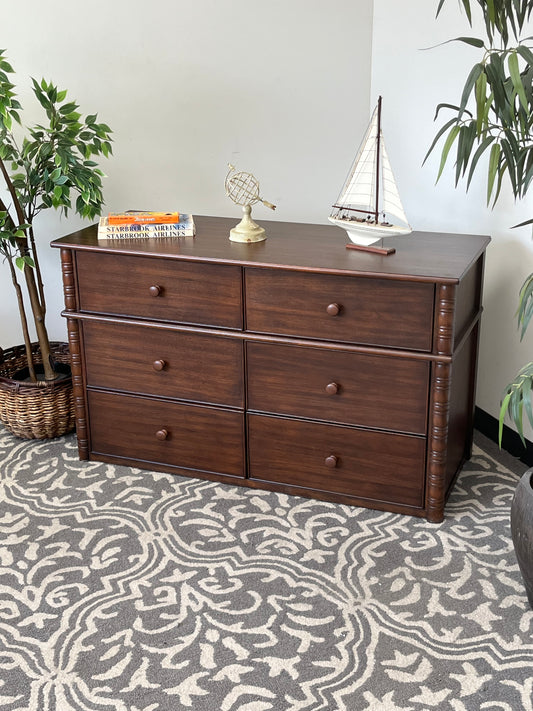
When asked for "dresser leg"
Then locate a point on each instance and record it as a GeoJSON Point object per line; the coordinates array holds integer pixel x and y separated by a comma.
{"type": "Point", "coordinates": [438, 442]}
{"type": "Point", "coordinates": [77, 387]}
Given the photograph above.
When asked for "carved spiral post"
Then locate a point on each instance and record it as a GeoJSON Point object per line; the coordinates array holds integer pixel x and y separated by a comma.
{"type": "Point", "coordinates": [73, 329]}
{"type": "Point", "coordinates": [440, 405]}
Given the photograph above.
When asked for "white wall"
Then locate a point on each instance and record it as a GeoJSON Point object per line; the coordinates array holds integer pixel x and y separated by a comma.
{"type": "Point", "coordinates": [279, 88]}
{"type": "Point", "coordinates": [413, 82]}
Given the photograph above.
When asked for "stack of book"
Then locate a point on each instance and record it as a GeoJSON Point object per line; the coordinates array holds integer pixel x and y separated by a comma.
{"type": "Point", "coordinates": [145, 225]}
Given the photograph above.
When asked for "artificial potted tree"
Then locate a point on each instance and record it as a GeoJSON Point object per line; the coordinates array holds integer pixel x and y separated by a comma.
{"type": "Point", "coordinates": [495, 117]}
{"type": "Point", "coordinates": [46, 166]}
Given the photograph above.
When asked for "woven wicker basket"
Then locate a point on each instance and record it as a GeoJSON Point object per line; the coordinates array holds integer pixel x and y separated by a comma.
{"type": "Point", "coordinates": [35, 410]}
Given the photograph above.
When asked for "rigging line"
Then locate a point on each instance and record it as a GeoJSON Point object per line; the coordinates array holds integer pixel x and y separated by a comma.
{"type": "Point", "coordinates": [378, 149]}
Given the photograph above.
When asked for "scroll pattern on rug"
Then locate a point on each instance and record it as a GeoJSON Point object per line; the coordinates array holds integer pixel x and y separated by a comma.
{"type": "Point", "coordinates": [127, 590]}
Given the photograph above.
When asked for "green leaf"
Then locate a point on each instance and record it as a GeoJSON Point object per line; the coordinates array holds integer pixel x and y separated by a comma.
{"type": "Point", "coordinates": [511, 164]}
{"type": "Point", "coordinates": [525, 305]}
{"type": "Point", "coordinates": [495, 76]}
{"type": "Point", "coordinates": [474, 41]}
{"type": "Point", "coordinates": [441, 132]}
{"type": "Point", "coordinates": [467, 135]}
{"type": "Point", "coordinates": [526, 398]}
{"type": "Point", "coordinates": [470, 83]}
{"type": "Point", "coordinates": [446, 149]}
{"type": "Point", "coordinates": [514, 71]}
{"type": "Point", "coordinates": [481, 98]}
{"type": "Point", "coordinates": [525, 53]}
{"type": "Point", "coordinates": [517, 395]}
{"type": "Point", "coordinates": [68, 108]}
{"type": "Point", "coordinates": [445, 106]}
{"type": "Point", "coordinates": [52, 93]}
{"type": "Point", "coordinates": [503, 412]}
{"type": "Point", "coordinates": [523, 224]}
{"type": "Point", "coordinates": [6, 67]}
{"type": "Point", "coordinates": [466, 6]}
{"type": "Point", "coordinates": [494, 161]}
{"type": "Point", "coordinates": [500, 174]}
{"type": "Point", "coordinates": [492, 13]}
{"type": "Point", "coordinates": [514, 406]}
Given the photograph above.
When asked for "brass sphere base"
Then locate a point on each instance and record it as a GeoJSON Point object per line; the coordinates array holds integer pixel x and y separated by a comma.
{"type": "Point", "coordinates": [247, 230]}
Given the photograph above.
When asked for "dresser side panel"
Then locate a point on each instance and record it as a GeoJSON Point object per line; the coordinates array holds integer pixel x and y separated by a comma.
{"type": "Point", "coordinates": [468, 299]}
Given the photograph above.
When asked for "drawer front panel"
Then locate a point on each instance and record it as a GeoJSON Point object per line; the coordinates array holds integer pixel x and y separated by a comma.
{"type": "Point", "coordinates": [341, 460]}
{"type": "Point", "coordinates": [168, 290]}
{"type": "Point", "coordinates": [378, 312]}
{"type": "Point", "coordinates": [154, 361]}
{"type": "Point", "coordinates": [188, 436]}
{"type": "Point", "coordinates": [352, 388]}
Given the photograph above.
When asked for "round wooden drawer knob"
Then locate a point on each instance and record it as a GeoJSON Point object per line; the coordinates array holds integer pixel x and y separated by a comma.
{"type": "Point", "coordinates": [161, 434]}
{"type": "Point", "coordinates": [331, 461]}
{"type": "Point", "coordinates": [155, 290]}
{"type": "Point", "coordinates": [333, 309]}
{"type": "Point", "coordinates": [332, 388]}
{"type": "Point", "coordinates": [159, 365]}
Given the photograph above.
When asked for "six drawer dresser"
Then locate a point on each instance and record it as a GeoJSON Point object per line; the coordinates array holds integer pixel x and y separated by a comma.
{"type": "Point", "coordinates": [292, 364]}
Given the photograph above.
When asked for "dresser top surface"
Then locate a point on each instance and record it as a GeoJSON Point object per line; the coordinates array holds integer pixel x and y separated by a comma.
{"type": "Point", "coordinates": [423, 256]}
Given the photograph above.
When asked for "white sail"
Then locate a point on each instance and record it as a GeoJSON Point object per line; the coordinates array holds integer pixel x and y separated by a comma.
{"type": "Point", "coordinates": [391, 204]}
{"type": "Point", "coordinates": [359, 189]}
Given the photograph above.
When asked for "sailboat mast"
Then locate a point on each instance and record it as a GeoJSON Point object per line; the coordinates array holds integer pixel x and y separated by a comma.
{"type": "Point", "coordinates": [378, 153]}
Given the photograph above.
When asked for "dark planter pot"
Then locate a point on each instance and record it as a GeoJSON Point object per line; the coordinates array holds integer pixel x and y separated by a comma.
{"type": "Point", "coordinates": [522, 530]}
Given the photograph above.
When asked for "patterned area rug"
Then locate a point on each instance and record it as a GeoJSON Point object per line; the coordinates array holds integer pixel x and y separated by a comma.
{"type": "Point", "coordinates": [123, 590]}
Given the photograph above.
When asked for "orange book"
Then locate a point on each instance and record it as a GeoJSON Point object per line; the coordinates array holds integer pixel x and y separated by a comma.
{"type": "Point", "coordinates": [143, 218]}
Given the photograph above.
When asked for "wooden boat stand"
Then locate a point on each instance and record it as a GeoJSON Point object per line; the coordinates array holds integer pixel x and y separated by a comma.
{"type": "Point", "coordinates": [385, 251]}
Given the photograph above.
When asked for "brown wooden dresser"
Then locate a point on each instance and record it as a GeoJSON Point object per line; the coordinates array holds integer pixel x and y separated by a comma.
{"type": "Point", "coordinates": [292, 364]}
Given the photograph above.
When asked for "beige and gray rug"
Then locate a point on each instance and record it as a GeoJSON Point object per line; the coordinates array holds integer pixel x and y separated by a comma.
{"type": "Point", "coordinates": [124, 590]}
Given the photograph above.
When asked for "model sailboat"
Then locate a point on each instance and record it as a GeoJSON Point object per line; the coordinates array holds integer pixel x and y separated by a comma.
{"type": "Point", "coordinates": [369, 197]}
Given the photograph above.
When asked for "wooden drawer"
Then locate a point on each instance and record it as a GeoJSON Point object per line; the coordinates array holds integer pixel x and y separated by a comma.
{"type": "Point", "coordinates": [382, 312]}
{"type": "Point", "coordinates": [167, 290]}
{"type": "Point", "coordinates": [155, 361]}
{"type": "Point", "coordinates": [330, 458]}
{"type": "Point", "coordinates": [373, 391]}
{"type": "Point", "coordinates": [197, 438]}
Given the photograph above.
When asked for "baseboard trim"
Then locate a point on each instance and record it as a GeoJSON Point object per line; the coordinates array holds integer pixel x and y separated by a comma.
{"type": "Point", "coordinates": [511, 442]}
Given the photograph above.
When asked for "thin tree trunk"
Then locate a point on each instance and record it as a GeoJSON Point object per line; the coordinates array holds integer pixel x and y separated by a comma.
{"type": "Point", "coordinates": [20, 298]}
{"type": "Point", "coordinates": [38, 318]}
{"type": "Point", "coordinates": [38, 310]}
{"type": "Point", "coordinates": [23, 321]}
{"type": "Point", "coordinates": [35, 292]}
{"type": "Point", "coordinates": [38, 272]}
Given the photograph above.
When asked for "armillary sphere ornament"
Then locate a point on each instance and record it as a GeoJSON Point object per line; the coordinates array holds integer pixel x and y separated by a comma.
{"type": "Point", "coordinates": [243, 189]}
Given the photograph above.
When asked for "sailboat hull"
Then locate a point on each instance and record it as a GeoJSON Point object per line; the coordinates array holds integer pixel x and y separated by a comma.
{"type": "Point", "coordinates": [366, 233]}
